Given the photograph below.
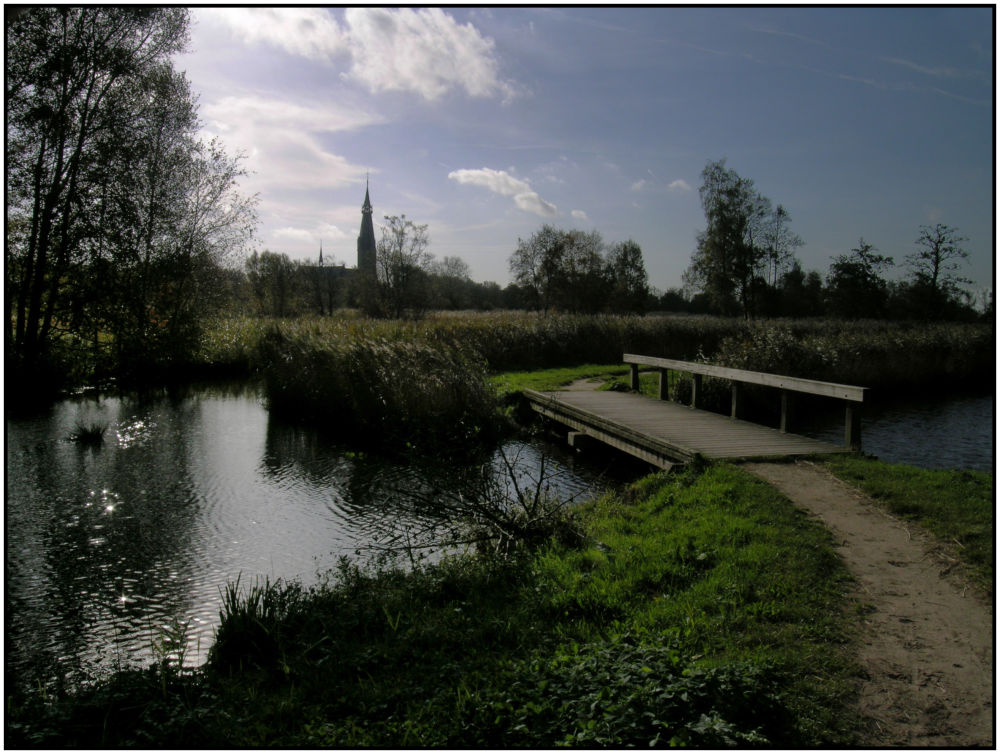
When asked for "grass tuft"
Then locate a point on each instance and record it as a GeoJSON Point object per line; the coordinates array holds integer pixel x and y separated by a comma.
{"type": "Point", "coordinates": [89, 434]}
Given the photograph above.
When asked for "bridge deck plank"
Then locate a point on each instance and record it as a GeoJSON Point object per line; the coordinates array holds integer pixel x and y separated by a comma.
{"type": "Point", "coordinates": [712, 435]}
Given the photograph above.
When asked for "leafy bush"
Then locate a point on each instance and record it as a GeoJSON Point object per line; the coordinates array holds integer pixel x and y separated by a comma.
{"type": "Point", "coordinates": [619, 692]}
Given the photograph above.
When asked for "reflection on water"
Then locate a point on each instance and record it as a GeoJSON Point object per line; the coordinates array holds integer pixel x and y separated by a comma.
{"type": "Point", "coordinates": [108, 545]}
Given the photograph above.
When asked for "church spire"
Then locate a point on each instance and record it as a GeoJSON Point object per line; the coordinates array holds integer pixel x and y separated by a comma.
{"type": "Point", "coordinates": [366, 208]}
{"type": "Point", "coordinates": [366, 239]}
{"type": "Point", "coordinates": [321, 252]}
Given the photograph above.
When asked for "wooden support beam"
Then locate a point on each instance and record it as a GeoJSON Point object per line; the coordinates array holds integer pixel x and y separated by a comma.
{"type": "Point", "coordinates": [695, 391]}
{"type": "Point", "coordinates": [664, 385]}
{"type": "Point", "coordinates": [737, 391]}
{"type": "Point", "coordinates": [852, 425]}
{"type": "Point", "coordinates": [786, 400]}
{"type": "Point", "coordinates": [633, 373]}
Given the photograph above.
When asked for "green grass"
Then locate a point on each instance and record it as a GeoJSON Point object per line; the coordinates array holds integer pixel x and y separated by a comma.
{"type": "Point", "coordinates": [553, 379]}
{"type": "Point", "coordinates": [956, 506]}
{"type": "Point", "coordinates": [703, 610]}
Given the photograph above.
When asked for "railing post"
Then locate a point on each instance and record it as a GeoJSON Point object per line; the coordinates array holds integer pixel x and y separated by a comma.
{"type": "Point", "coordinates": [633, 370]}
{"type": "Point", "coordinates": [786, 399]}
{"type": "Point", "coordinates": [852, 425]}
{"type": "Point", "coordinates": [664, 385]}
{"type": "Point", "coordinates": [695, 391]}
{"type": "Point", "coordinates": [736, 400]}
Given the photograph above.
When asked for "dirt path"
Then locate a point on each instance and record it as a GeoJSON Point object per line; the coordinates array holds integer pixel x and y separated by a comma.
{"type": "Point", "coordinates": [927, 642]}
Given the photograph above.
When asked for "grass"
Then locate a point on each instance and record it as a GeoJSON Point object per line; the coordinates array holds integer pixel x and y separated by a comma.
{"type": "Point", "coordinates": [957, 506]}
{"type": "Point", "coordinates": [703, 609]}
{"type": "Point", "coordinates": [89, 434]}
{"type": "Point", "coordinates": [553, 379]}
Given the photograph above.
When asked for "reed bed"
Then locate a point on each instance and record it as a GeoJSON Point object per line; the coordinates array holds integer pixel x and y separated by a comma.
{"type": "Point", "coordinates": [867, 352]}
{"type": "Point", "coordinates": [399, 382]}
{"type": "Point", "coordinates": [374, 391]}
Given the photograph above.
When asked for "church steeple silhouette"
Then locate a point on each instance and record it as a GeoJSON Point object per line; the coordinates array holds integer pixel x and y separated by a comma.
{"type": "Point", "coordinates": [366, 239]}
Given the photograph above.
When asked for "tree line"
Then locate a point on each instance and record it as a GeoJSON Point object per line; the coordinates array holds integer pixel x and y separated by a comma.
{"type": "Point", "coordinates": [744, 264]}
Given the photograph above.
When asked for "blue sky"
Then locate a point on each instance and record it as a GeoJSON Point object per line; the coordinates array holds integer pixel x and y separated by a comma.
{"type": "Point", "coordinates": [486, 123]}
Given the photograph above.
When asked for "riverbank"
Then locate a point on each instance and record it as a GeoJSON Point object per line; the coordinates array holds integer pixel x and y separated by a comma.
{"type": "Point", "coordinates": [701, 608]}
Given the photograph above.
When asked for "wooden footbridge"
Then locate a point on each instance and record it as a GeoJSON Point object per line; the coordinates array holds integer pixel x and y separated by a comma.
{"type": "Point", "coordinates": [665, 433]}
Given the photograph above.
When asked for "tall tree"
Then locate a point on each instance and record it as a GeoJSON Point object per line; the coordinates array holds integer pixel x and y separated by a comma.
{"type": "Point", "coordinates": [69, 70]}
{"type": "Point", "coordinates": [855, 286]}
{"type": "Point", "coordinates": [118, 206]}
{"type": "Point", "coordinates": [629, 283]}
{"type": "Point", "coordinates": [562, 269]}
{"type": "Point", "coordinates": [732, 249]}
{"type": "Point", "coordinates": [934, 268]}
{"type": "Point", "coordinates": [402, 260]}
{"type": "Point", "coordinates": [780, 244]}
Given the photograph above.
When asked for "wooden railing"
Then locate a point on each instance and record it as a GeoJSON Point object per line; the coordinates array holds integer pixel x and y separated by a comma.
{"type": "Point", "coordinates": [852, 395]}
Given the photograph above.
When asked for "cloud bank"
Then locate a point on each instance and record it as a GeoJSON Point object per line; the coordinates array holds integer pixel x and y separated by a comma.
{"type": "Point", "coordinates": [423, 51]}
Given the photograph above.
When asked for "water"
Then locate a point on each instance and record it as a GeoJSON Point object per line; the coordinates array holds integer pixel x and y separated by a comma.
{"type": "Point", "coordinates": [109, 546]}
{"type": "Point", "coordinates": [952, 433]}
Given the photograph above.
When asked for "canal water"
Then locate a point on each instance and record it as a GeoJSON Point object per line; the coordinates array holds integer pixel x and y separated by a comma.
{"type": "Point", "coordinates": [111, 547]}
{"type": "Point", "coordinates": [951, 433]}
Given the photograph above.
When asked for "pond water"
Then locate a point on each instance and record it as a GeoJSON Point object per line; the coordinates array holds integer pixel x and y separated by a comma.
{"type": "Point", "coordinates": [108, 545]}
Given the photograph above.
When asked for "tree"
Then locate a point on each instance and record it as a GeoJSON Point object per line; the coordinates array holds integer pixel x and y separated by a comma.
{"type": "Point", "coordinates": [272, 280]}
{"type": "Point", "coordinates": [779, 244]}
{"type": "Point", "coordinates": [732, 249]}
{"type": "Point", "coordinates": [626, 272]}
{"type": "Point", "coordinates": [402, 263]}
{"type": "Point", "coordinates": [801, 292]}
{"type": "Point", "coordinates": [855, 286]}
{"type": "Point", "coordinates": [561, 269]}
{"type": "Point", "coordinates": [934, 267]}
{"type": "Point", "coordinates": [126, 215]}
{"type": "Point", "coordinates": [71, 74]}
{"type": "Point", "coordinates": [534, 262]}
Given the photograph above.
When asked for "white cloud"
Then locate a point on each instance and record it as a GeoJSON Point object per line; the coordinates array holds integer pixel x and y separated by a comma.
{"type": "Point", "coordinates": [579, 214]}
{"type": "Point", "coordinates": [498, 181]}
{"type": "Point", "coordinates": [423, 51]}
{"type": "Point", "coordinates": [280, 140]}
{"type": "Point", "coordinates": [307, 32]}
{"type": "Point", "coordinates": [296, 234]}
{"type": "Point", "coordinates": [330, 231]}
{"type": "Point", "coordinates": [503, 183]}
{"type": "Point", "coordinates": [639, 185]}
{"type": "Point", "coordinates": [679, 185]}
{"type": "Point", "coordinates": [532, 202]}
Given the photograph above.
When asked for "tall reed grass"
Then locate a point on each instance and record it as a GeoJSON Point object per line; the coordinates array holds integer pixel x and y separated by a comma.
{"type": "Point", "coordinates": [391, 393]}
{"type": "Point", "coordinates": [400, 383]}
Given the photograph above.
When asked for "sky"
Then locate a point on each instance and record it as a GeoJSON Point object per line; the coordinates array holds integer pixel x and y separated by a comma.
{"type": "Point", "coordinates": [487, 123]}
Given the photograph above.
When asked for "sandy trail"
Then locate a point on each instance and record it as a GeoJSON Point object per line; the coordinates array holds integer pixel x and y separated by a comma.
{"type": "Point", "coordinates": [927, 641]}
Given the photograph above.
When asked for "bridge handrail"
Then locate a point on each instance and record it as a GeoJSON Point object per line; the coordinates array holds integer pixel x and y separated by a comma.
{"type": "Point", "coordinates": [852, 395]}
{"type": "Point", "coordinates": [797, 384]}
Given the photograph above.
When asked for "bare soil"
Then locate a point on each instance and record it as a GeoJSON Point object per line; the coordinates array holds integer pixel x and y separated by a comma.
{"type": "Point", "coordinates": [926, 643]}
